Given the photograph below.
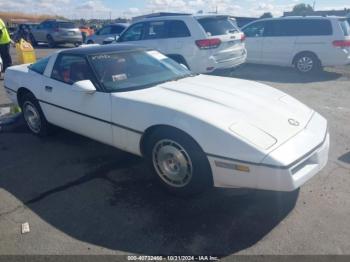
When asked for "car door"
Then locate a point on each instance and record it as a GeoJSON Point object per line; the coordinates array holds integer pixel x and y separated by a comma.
{"type": "Point", "coordinates": [279, 42]}
{"type": "Point", "coordinates": [254, 33]}
{"type": "Point", "coordinates": [65, 106]}
{"type": "Point", "coordinates": [39, 32]}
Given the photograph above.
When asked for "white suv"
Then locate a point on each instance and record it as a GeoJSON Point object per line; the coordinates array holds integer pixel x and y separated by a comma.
{"type": "Point", "coordinates": [203, 43]}
{"type": "Point", "coordinates": [307, 43]}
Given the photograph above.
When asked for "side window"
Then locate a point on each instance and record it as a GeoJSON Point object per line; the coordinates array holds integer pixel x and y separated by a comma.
{"type": "Point", "coordinates": [276, 28]}
{"type": "Point", "coordinates": [40, 65]}
{"type": "Point", "coordinates": [70, 69]}
{"type": "Point", "coordinates": [134, 33]}
{"type": "Point", "coordinates": [177, 28]}
{"type": "Point", "coordinates": [315, 27]}
{"type": "Point", "coordinates": [105, 31]}
{"type": "Point", "coordinates": [155, 30]}
{"type": "Point", "coordinates": [255, 30]}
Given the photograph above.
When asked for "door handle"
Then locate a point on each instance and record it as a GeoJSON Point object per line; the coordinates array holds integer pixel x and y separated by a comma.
{"type": "Point", "coordinates": [48, 88]}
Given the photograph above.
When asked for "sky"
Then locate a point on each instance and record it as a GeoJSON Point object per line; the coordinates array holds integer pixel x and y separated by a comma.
{"type": "Point", "coordinates": [128, 8]}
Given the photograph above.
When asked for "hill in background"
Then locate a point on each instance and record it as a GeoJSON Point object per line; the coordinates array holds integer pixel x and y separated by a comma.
{"type": "Point", "coordinates": [18, 17]}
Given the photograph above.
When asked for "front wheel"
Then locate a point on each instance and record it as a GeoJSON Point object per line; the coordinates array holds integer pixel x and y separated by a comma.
{"type": "Point", "coordinates": [33, 116]}
{"type": "Point", "coordinates": [178, 162]}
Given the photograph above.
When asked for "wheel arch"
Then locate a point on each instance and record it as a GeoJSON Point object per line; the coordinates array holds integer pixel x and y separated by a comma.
{"type": "Point", "coordinates": [150, 130]}
{"type": "Point", "coordinates": [305, 52]}
{"type": "Point", "coordinates": [179, 58]}
{"type": "Point", "coordinates": [20, 94]}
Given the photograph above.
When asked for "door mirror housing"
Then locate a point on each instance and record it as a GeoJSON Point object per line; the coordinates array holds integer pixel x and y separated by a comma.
{"type": "Point", "coordinates": [84, 86]}
{"type": "Point", "coordinates": [109, 40]}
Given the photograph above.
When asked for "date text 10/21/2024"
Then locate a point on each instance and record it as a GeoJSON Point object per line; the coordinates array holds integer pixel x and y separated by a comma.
{"type": "Point", "coordinates": [172, 258]}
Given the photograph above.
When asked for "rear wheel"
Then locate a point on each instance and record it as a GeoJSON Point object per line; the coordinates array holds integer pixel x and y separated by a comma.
{"type": "Point", "coordinates": [51, 43]}
{"type": "Point", "coordinates": [33, 116]}
{"type": "Point", "coordinates": [306, 63]}
{"type": "Point", "coordinates": [178, 162]}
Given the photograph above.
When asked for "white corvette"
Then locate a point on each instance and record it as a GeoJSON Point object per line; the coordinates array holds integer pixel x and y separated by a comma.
{"type": "Point", "coordinates": [195, 131]}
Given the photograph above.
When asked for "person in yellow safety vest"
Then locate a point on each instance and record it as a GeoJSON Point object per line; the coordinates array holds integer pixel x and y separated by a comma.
{"type": "Point", "coordinates": [5, 42]}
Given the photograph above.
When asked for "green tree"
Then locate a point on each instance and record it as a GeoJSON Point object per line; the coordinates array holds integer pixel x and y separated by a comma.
{"type": "Point", "coordinates": [266, 15]}
{"type": "Point", "coordinates": [302, 9]}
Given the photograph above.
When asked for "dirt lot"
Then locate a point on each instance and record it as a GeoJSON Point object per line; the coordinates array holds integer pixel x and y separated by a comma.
{"type": "Point", "coordinates": [82, 197]}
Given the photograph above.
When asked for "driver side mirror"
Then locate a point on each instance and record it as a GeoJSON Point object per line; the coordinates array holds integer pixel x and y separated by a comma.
{"type": "Point", "coordinates": [84, 86]}
{"type": "Point", "coordinates": [109, 40]}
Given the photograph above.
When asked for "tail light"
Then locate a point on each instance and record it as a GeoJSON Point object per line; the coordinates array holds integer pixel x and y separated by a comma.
{"type": "Point", "coordinates": [243, 37]}
{"type": "Point", "coordinates": [208, 43]}
{"type": "Point", "coordinates": [341, 43]}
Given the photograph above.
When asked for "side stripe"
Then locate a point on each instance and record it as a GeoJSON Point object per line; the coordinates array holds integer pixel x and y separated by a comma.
{"type": "Point", "coordinates": [92, 117]}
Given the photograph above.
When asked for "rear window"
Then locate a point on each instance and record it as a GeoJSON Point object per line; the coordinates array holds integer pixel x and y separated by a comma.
{"type": "Point", "coordinates": [218, 26]}
{"type": "Point", "coordinates": [345, 27]}
{"type": "Point", "coordinates": [67, 25]}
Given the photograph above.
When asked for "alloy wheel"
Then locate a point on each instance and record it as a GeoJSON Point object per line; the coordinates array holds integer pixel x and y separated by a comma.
{"type": "Point", "coordinates": [172, 163]}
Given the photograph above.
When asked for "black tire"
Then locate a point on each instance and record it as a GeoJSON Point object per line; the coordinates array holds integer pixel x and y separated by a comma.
{"type": "Point", "coordinates": [307, 63]}
{"type": "Point", "coordinates": [201, 177]}
{"type": "Point", "coordinates": [33, 41]}
{"type": "Point", "coordinates": [90, 42]}
{"type": "Point", "coordinates": [51, 43]}
{"type": "Point", "coordinates": [29, 104]}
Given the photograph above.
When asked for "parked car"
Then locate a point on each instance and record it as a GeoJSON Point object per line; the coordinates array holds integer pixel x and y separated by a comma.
{"type": "Point", "coordinates": [106, 34]}
{"type": "Point", "coordinates": [56, 32]}
{"type": "Point", "coordinates": [24, 31]}
{"type": "Point", "coordinates": [203, 43]}
{"type": "Point", "coordinates": [306, 43]}
{"type": "Point", "coordinates": [195, 131]}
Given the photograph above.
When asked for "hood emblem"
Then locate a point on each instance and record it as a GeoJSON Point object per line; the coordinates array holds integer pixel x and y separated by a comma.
{"type": "Point", "coordinates": [293, 122]}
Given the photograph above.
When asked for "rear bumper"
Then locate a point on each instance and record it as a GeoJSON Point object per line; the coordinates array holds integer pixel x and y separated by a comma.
{"type": "Point", "coordinates": [340, 57]}
{"type": "Point", "coordinates": [68, 39]}
{"type": "Point", "coordinates": [207, 63]}
{"type": "Point", "coordinates": [228, 63]}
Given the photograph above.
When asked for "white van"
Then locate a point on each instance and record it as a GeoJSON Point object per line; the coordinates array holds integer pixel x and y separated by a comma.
{"type": "Point", "coordinates": [307, 43]}
{"type": "Point", "coordinates": [203, 42]}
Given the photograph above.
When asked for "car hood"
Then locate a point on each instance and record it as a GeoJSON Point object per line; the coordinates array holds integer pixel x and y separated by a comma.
{"type": "Point", "coordinates": [256, 112]}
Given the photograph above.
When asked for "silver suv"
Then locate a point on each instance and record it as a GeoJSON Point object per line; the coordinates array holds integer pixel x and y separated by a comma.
{"type": "Point", "coordinates": [56, 32]}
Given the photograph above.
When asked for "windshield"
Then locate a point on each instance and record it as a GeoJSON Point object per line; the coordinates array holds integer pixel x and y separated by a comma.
{"type": "Point", "coordinates": [136, 69]}
{"type": "Point", "coordinates": [218, 25]}
{"type": "Point", "coordinates": [345, 27]}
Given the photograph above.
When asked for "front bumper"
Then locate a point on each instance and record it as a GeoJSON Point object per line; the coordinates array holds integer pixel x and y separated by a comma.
{"type": "Point", "coordinates": [268, 177]}
{"type": "Point", "coordinates": [285, 168]}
